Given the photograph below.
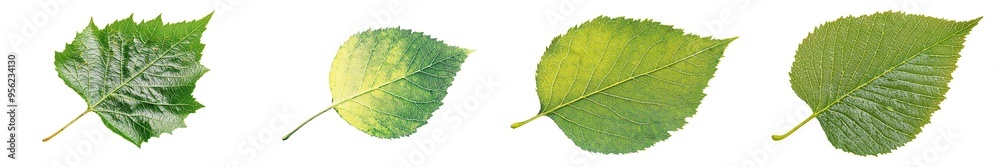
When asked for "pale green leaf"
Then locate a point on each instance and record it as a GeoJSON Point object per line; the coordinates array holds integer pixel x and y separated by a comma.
{"type": "Point", "coordinates": [619, 85]}
{"type": "Point", "coordinates": [137, 77]}
{"type": "Point", "coordinates": [874, 80]}
{"type": "Point", "coordinates": [387, 82]}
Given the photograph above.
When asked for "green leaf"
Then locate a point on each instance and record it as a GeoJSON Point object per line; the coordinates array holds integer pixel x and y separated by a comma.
{"type": "Point", "coordinates": [387, 82]}
{"type": "Point", "coordinates": [137, 77]}
{"type": "Point", "coordinates": [618, 85]}
{"type": "Point", "coordinates": [874, 80]}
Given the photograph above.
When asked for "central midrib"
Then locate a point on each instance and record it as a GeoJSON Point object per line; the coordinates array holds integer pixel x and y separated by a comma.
{"type": "Point", "coordinates": [392, 81]}
{"type": "Point", "coordinates": [628, 79]}
{"type": "Point", "coordinates": [893, 68]}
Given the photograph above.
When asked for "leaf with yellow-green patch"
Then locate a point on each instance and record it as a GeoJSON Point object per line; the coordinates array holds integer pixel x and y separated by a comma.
{"type": "Point", "coordinates": [387, 82]}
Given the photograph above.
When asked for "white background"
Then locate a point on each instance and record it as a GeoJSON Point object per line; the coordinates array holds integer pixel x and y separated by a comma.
{"type": "Point", "coordinates": [269, 62]}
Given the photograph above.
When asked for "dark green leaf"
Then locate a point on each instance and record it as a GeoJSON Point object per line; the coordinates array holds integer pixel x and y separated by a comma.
{"type": "Point", "coordinates": [137, 77]}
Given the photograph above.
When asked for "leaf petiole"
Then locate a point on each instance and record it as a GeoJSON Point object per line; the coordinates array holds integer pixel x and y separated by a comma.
{"type": "Point", "coordinates": [307, 121]}
{"type": "Point", "coordinates": [519, 124]}
{"type": "Point", "coordinates": [779, 137]}
{"type": "Point", "coordinates": [67, 125]}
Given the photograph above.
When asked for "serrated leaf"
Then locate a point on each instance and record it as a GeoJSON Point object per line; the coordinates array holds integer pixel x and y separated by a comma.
{"type": "Point", "coordinates": [137, 77]}
{"type": "Point", "coordinates": [387, 82]}
{"type": "Point", "coordinates": [874, 80]}
{"type": "Point", "coordinates": [619, 85]}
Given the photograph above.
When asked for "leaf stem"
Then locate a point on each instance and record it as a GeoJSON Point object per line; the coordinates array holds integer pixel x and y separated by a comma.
{"type": "Point", "coordinates": [67, 125]}
{"type": "Point", "coordinates": [519, 124]}
{"type": "Point", "coordinates": [779, 137]}
{"type": "Point", "coordinates": [307, 121]}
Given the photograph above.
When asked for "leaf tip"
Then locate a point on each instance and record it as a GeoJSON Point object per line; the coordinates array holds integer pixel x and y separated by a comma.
{"type": "Point", "coordinates": [730, 40]}
{"type": "Point", "coordinates": [91, 24]}
{"type": "Point", "coordinates": [208, 17]}
{"type": "Point", "coordinates": [975, 21]}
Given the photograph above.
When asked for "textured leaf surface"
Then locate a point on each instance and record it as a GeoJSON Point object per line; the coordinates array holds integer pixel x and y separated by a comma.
{"type": "Point", "coordinates": [387, 82]}
{"type": "Point", "coordinates": [874, 80]}
{"type": "Point", "coordinates": [137, 77]}
{"type": "Point", "coordinates": [618, 85]}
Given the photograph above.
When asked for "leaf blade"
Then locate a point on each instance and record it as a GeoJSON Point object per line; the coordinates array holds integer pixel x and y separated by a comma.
{"type": "Point", "coordinates": [403, 79]}
{"type": "Point", "coordinates": [137, 77]}
{"type": "Point", "coordinates": [893, 86]}
{"type": "Point", "coordinates": [631, 97]}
